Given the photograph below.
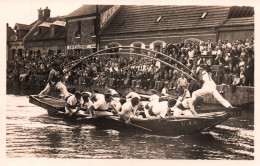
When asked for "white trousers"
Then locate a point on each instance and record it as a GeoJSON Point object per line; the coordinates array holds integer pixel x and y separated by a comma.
{"type": "Point", "coordinates": [59, 86]}
{"type": "Point", "coordinates": [211, 90]}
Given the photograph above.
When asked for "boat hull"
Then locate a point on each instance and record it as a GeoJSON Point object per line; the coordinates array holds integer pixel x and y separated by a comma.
{"type": "Point", "coordinates": [169, 126]}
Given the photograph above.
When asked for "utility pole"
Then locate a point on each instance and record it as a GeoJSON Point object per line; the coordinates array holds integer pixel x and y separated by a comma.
{"type": "Point", "coordinates": [97, 28]}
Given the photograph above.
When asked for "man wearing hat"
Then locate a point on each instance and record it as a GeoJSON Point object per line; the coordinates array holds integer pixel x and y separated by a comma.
{"type": "Point", "coordinates": [54, 80]}
{"type": "Point", "coordinates": [209, 87]}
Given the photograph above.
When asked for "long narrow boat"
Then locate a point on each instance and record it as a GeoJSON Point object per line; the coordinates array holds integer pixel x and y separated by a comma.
{"type": "Point", "coordinates": [169, 126]}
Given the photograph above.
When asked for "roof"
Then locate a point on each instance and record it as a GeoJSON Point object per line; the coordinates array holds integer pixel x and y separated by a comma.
{"type": "Point", "coordinates": [45, 24]}
{"type": "Point", "coordinates": [143, 18]}
{"type": "Point", "coordinates": [33, 34]}
{"type": "Point", "coordinates": [10, 33]}
{"type": "Point", "coordinates": [59, 23]}
{"type": "Point", "coordinates": [88, 10]}
{"type": "Point", "coordinates": [239, 21]}
{"type": "Point", "coordinates": [22, 26]}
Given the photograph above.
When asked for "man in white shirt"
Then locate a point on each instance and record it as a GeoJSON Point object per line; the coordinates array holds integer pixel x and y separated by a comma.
{"type": "Point", "coordinates": [132, 94]}
{"type": "Point", "coordinates": [165, 90]}
{"type": "Point", "coordinates": [160, 110]}
{"type": "Point", "coordinates": [209, 87]}
{"type": "Point", "coordinates": [187, 105]}
{"type": "Point", "coordinates": [129, 109]}
{"type": "Point", "coordinates": [153, 99]}
{"type": "Point", "coordinates": [182, 84]}
{"type": "Point", "coordinates": [73, 103]}
{"type": "Point", "coordinates": [87, 103]}
{"type": "Point", "coordinates": [101, 105]}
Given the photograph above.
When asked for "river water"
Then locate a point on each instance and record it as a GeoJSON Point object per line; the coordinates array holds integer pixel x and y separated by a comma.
{"type": "Point", "coordinates": [30, 132]}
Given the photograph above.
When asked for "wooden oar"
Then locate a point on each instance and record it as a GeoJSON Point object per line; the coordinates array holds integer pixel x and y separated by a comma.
{"type": "Point", "coordinates": [191, 117]}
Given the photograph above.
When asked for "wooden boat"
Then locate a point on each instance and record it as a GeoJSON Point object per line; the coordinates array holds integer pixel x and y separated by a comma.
{"type": "Point", "coordinates": [169, 126]}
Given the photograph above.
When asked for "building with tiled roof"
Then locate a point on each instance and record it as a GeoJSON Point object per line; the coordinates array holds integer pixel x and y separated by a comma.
{"type": "Point", "coordinates": [237, 28]}
{"type": "Point", "coordinates": [47, 36]}
{"type": "Point", "coordinates": [88, 10]}
{"type": "Point", "coordinates": [82, 28]}
{"type": "Point", "coordinates": [154, 26]}
{"type": "Point", "coordinates": [9, 34]}
{"type": "Point", "coordinates": [15, 42]}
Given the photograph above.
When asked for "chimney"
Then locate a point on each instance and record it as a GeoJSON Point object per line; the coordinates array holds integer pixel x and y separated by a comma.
{"type": "Point", "coordinates": [40, 14]}
{"type": "Point", "coordinates": [46, 13]}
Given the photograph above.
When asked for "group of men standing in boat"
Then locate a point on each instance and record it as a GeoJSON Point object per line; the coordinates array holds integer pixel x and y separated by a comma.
{"type": "Point", "coordinates": [97, 104]}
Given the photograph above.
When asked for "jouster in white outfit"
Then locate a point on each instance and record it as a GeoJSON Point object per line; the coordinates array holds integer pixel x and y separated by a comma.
{"type": "Point", "coordinates": [55, 81]}
{"type": "Point", "coordinates": [209, 87]}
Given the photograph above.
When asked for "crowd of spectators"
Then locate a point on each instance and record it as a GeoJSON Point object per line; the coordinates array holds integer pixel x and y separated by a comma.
{"type": "Point", "coordinates": [225, 61]}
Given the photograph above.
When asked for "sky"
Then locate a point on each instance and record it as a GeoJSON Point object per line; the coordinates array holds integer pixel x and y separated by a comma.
{"type": "Point", "coordinates": [25, 11]}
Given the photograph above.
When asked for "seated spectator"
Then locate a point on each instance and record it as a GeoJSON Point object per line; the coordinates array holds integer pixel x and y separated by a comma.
{"type": "Point", "coordinates": [236, 82]}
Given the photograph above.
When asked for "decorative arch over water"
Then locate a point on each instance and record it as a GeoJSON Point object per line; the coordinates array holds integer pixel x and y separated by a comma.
{"type": "Point", "coordinates": [126, 50]}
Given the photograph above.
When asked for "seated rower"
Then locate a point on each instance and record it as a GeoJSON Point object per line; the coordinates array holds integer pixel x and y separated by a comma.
{"type": "Point", "coordinates": [101, 105]}
{"type": "Point", "coordinates": [87, 103]}
{"type": "Point", "coordinates": [113, 92]}
{"type": "Point", "coordinates": [73, 103]}
{"type": "Point", "coordinates": [132, 94]}
{"type": "Point", "coordinates": [116, 98]}
{"type": "Point", "coordinates": [160, 110]}
{"type": "Point", "coordinates": [154, 97]}
{"type": "Point", "coordinates": [186, 94]}
{"type": "Point", "coordinates": [187, 107]}
{"type": "Point", "coordinates": [129, 109]}
{"type": "Point", "coordinates": [86, 92]}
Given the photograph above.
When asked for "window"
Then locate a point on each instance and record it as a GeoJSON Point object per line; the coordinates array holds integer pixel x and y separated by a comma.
{"type": "Point", "coordinates": [159, 19]}
{"type": "Point", "coordinates": [204, 15]}
{"type": "Point", "coordinates": [52, 31]}
{"type": "Point", "coordinates": [137, 50]}
{"type": "Point", "coordinates": [78, 32]}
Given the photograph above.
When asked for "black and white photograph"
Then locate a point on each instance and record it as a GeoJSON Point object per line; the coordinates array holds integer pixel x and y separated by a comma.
{"type": "Point", "coordinates": [109, 80]}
